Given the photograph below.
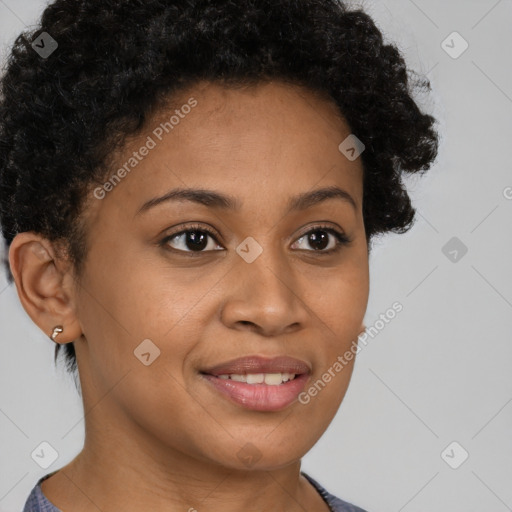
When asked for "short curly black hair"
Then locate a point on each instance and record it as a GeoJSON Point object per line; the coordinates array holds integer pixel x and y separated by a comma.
{"type": "Point", "coordinates": [61, 115]}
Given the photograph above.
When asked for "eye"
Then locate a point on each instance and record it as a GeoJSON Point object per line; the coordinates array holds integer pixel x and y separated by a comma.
{"type": "Point", "coordinates": [193, 239]}
{"type": "Point", "coordinates": [198, 239]}
{"type": "Point", "coordinates": [319, 238]}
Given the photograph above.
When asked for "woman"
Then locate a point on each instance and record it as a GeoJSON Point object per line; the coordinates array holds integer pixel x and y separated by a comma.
{"type": "Point", "coordinates": [189, 192]}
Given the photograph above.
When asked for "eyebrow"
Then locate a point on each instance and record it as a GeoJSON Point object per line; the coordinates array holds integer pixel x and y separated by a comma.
{"type": "Point", "coordinates": [213, 199]}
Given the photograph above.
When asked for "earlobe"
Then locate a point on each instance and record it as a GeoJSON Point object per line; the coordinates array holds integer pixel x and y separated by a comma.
{"type": "Point", "coordinates": [39, 282]}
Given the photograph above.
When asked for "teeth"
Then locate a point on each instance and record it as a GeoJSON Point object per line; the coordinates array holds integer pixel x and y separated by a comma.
{"type": "Point", "coordinates": [274, 378]}
{"type": "Point", "coordinates": [271, 379]}
{"type": "Point", "coordinates": [255, 378]}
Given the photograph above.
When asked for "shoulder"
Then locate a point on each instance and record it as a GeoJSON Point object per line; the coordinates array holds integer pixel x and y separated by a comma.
{"type": "Point", "coordinates": [37, 501]}
{"type": "Point", "coordinates": [336, 504]}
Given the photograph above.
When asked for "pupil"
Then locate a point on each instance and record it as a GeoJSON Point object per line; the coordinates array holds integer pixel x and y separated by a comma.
{"type": "Point", "coordinates": [322, 240]}
{"type": "Point", "coordinates": [196, 240]}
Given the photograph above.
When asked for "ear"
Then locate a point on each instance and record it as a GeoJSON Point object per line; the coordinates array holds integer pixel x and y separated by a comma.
{"type": "Point", "coordinates": [45, 285]}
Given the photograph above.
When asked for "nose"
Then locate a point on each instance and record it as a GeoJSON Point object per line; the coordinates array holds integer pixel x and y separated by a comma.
{"type": "Point", "coordinates": [265, 298]}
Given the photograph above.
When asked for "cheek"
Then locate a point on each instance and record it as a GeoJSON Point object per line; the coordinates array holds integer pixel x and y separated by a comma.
{"type": "Point", "coordinates": [130, 298]}
{"type": "Point", "coordinates": [339, 299]}
{"type": "Point", "coordinates": [340, 306]}
{"type": "Point", "coordinates": [132, 301]}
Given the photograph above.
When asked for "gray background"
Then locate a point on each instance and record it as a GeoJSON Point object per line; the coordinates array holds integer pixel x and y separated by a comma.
{"type": "Point", "coordinates": [439, 372]}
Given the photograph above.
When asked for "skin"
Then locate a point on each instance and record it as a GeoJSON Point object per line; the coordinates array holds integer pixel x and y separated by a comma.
{"type": "Point", "coordinates": [158, 437]}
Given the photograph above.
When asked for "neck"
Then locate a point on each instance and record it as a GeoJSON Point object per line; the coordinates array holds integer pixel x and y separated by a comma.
{"type": "Point", "coordinates": [124, 471]}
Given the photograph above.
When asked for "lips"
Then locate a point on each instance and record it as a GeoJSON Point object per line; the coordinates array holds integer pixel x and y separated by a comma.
{"type": "Point", "coordinates": [259, 383]}
{"type": "Point", "coordinates": [258, 364]}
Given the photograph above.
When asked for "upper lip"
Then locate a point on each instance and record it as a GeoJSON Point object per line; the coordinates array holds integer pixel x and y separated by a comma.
{"type": "Point", "coordinates": [259, 364]}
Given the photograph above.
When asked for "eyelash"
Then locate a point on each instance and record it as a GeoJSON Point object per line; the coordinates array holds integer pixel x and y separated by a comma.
{"type": "Point", "coordinates": [341, 239]}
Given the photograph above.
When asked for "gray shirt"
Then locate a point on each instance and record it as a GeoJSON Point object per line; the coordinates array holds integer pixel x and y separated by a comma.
{"type": "Point", "coordinates": [37, 501]}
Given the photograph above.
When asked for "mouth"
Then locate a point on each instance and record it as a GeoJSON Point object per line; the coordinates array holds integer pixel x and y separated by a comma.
{"type": "Point", "coordinates": [270, 379]}
{"type": "Point", "coordinates": [258, 383]}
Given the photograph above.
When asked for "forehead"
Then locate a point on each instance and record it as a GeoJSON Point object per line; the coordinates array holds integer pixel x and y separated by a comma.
{"type": "Point", "coordinates": [254, 142]}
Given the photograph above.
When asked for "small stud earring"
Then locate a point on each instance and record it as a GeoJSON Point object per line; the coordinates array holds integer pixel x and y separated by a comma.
{"type": "Point", "coordinates": [56, 331]}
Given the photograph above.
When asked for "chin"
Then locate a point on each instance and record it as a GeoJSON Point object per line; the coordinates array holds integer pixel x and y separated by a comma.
{"type": "Point", "coordinates": [260, 452]}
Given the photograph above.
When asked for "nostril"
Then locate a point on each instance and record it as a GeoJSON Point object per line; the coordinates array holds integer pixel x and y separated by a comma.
{"type": "Point", "coordinates": [247, 322]}
{"type": "Point", "coordinates": [252, 327]}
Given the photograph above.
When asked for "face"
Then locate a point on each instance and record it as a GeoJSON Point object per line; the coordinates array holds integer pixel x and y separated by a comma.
{"type": "Point", "coordinates": [174, 288]}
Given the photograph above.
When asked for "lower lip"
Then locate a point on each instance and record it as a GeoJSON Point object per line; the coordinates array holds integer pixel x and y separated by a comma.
{"type": "Point", "coordinates": [260, 397]}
